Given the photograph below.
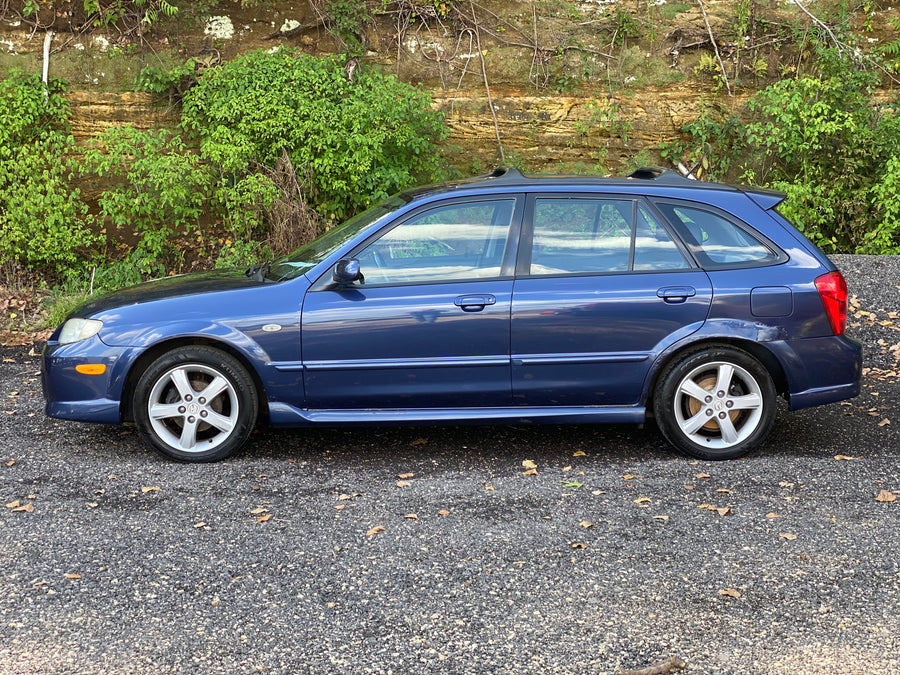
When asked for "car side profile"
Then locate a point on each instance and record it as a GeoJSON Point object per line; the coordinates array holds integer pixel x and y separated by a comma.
{"type": "Point", "coordinates": [502, 298]}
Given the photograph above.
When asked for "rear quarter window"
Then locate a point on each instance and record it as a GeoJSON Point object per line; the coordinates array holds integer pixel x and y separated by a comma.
{"type": "Point", "coordinates": [717, 241]}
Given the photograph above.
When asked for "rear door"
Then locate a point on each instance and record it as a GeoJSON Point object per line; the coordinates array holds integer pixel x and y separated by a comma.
{"type": "Point", "coordinates": [601, 286]}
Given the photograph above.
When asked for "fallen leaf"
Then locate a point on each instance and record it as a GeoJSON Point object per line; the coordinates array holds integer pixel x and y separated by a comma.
{"type": "Point", "coordinates": [150, 489]}
{"type": "Point", "coordinates": [530, 472]}
{"type": "Point", "coordinates": [405, 475]}
{"type": "Point", "coordinates": [884, 422]}
{"type": "Point", "coordinates": [340, 507]}
{"type": "Point", "coordinates": [199, 525]}
{"type": "Point", "coordinates": [93, 505]}
{"type": "Point", "coordinates": [375, 530]}
{"type": "Point", "coordinates": [642, 500]}
{"type": "Point", "coordinates": [529, 464]}
{"type": "Point", "coordinates": [688, 487]}
{"type": "Point", "coordinates": [785, 484]}
{"type": "Point", "coordinates": [11, 462]}
{"type": "Point", "coordinates": [12, 505]}
{"type": "Point", "coordinates": [702, 475]}
{"type": "Point", "coordinates": [263, 519]}
{"type": "Point", "coordinates": [730, 592]}
{"type": "Point", "coordinates": [788, 536]}
{"type": "Point", "coordinates": [724, 511]}
{"type": "Point", "coordinates": [663, 518]}
{"type": "Point", "coordinates": [579, 453]}
{"type": "Point", "coordinates": [402, 483]}
{"type": "Point", "coordinates": [627, 476]}
{"type": "Point", "coordinates": [579, 546]}
{"type": "Point", "coordinates": [27, 508]}
{"type": "Point", "coordinates": [772, 515]}
{"type": "Point", "coordinates": [489, 487]}
{"type": "Point", "coordinates": [419, 441]}
{"type": "Point", "coordinates": [443, 512]}
{"type": "Point", "coordinates": [566, 468]}
{"type": "Point", "coordinates": [705, 506]}
{"type": "Point", "coordinates": [586, 524]}
{"type": "Point", "coordinates": [72, 576]}
{"type": "Point", "coordinates": [883, 496]}
{"type": "Point", "coordinates": [344, 497]}
{"type": "Point", "coordinates": [258, 510]}
{"type": "Point", "coordinates": [411, 516]}
{"type": "Point", "coordinates": [843, 458]}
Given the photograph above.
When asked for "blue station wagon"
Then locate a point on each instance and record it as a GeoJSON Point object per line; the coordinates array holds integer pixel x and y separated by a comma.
{"type": "Point", "coordinates": [503, 298]}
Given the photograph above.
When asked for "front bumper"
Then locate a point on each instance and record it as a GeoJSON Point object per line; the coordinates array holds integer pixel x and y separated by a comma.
{"type": "Point", "coordinates": [86, 398]}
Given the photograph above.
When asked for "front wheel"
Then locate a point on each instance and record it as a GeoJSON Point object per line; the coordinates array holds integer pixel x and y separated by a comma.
{"type": "Point", "coordinates": [715, 403]}
{"type": "Point", "coordinates": [195, 404]}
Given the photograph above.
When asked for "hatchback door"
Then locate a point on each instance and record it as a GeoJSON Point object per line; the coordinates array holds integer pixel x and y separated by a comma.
{"type": "Point", "coordinates": [601, 287]}
{"type": "Point", "coordinates": [428, 326]}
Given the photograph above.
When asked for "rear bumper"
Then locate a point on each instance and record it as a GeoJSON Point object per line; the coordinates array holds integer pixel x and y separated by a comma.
{"type": "Point", "coordinates": [819, 370]}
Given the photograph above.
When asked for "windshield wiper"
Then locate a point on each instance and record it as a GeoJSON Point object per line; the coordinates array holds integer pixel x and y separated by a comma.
{"type": "Point", "coordinates": [261, 269]}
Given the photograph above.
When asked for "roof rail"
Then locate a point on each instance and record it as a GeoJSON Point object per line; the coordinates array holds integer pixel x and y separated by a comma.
{"type": "Point", "coordinates": [659, 175]}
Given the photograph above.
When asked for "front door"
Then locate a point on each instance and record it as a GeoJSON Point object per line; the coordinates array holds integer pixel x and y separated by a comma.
{"type": "Point", "coordinates": [428, 325]}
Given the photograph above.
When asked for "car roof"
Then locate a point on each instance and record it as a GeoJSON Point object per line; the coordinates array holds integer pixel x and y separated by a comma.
{"type": "Point", "coordinates": [511, 178]}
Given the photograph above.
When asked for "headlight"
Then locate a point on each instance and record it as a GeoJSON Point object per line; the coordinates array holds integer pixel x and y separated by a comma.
{"type": "Point", "coordinates": [75, 330]}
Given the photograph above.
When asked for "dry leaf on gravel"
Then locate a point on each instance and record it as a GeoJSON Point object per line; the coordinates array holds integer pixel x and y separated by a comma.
{"type": "Point", "coordinates": [145, 490]}
{"type": "Point", "coordinates": [642, 500]}
{"type": "Point", "coordinates": [772, 515]}
{"type": "Point", "coordinates": [586, 524]}
{"type": "Point", "coordinates": [579, 453]}
{"type": "Point", "coordinates": [411, 516]}
{"type": "Point", "coordinates": [885, 496]}
{"type": "Point", "coordinates": [443, 512]}
{"type": "Point", "coordinates": [663, 518]}
{"type": "Point", "coordinates": [405, 475]}
{"type": "Point", "coordinates": [402, 483]}
{"type": "Point", "coordinates": [26, 508]}
{"type": "Point", "coordinates": [265, 518]}
{"type": "Point", "coordinates": [702, 475]}
{"type": "Point", "coordinates": [730, 592]}
{"type": "Point", "coordinates": [529, 464]}
{"type": "Point", "coordinates": [843, 458]}
{"type": "Point", "coordinates": [788, 536]}
{"type": "Point", "coordinates": [72, 576]}
{"type": "Point", "coordinates": [375, 530]}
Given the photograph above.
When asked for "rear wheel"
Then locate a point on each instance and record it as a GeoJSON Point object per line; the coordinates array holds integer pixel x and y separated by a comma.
{"type": "Point", "coordinates": [195, 404]}
{"type": "Point", "coordinates": [715, 403]}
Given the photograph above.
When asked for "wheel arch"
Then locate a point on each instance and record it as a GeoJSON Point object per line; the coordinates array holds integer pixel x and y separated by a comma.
{"type": "Point", "coordinates": [755, 349]}
{"type": "Point", "coordinates": [155, 351]}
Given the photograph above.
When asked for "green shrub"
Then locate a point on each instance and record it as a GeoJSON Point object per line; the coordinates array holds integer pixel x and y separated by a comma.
{"type": "Point", "coordinates": [42, 217]}
{"type": "Point", "coordinates": [357, 141]}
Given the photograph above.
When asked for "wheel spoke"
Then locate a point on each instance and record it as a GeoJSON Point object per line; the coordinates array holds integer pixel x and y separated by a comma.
{"type": "Point", "coordinates": [746, 402]}
{"type": "Point", "coordinates": [188, 435]}
{"type": "Point", "coordinates": [161, 411]}
{"type": "Point", "coordinates": [729, 433]}
{"type": "Point", "coordinates": [220, 422]}
{"type": "Point", "coordinates": [694, 424]}
{"type": "Point", "coordinates": [723, 378]}
{"type": "Point", "coordinates": [694, 390]}
{"type": "Point", "coordinates": [180, 379]}
{"type": "Point", "coordinates": [214, 388]}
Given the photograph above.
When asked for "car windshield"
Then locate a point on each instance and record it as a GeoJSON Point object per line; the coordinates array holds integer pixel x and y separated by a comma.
{"type": "Point", "coordinates": [309, 255]}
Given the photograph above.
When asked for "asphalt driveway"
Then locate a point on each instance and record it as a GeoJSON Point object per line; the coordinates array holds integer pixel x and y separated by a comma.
{"type": "Point", "coordinates": [442, 550]}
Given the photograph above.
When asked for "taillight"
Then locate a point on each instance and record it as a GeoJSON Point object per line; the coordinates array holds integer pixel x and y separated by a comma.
{"type": "Point", "coordinates": [833, 291]}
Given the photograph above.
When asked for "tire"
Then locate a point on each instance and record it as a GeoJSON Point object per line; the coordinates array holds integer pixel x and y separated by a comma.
{"type": "Point", "coordinates": [715, 403]}
{"type": "Point", "coordinates": [177, 416]}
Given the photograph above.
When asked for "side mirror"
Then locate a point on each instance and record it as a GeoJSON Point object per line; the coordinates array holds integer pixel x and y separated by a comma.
{"type": "Point", "coordinates": [346, 271]}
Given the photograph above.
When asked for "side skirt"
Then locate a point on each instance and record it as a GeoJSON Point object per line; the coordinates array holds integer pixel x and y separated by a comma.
{"type": "Point", "coordinates": [283, 415]}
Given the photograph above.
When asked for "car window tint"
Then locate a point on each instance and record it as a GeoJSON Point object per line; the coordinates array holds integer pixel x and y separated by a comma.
{"type": "Point", "coordinates": [653, 247]}
{"type": "Point", "coordinates": [715, 240]}
{"type": "Point", "coordinates": [581, 236]}
{"type": "Point", "coordinates": [448, 243]}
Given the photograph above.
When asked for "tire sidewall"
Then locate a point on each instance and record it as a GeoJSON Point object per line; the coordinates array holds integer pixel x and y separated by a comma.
{"type": "Point", "coordinates": [665, 395]}
{"type": "Point", "coordinates": [226, 365]}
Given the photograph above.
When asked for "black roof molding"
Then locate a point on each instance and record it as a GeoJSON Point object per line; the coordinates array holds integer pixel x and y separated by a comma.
{"type": "Point", "coordinates": [660, 175]}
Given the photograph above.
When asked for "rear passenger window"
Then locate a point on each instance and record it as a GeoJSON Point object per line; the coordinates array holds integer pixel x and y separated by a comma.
{"type": "Point", "coordinates": [592, 236]}
{"type": "Point", "coordinates": [714, 240]}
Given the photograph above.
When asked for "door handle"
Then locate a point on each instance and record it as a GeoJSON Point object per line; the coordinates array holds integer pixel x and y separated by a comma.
{"type": "Point", "coordinates": [676, 294]}
{"type": "Point", "coordinates": [474, 303]}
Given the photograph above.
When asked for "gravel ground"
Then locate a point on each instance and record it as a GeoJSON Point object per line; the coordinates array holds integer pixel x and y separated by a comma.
{"type": "Point", "coordinates": [310, 553]}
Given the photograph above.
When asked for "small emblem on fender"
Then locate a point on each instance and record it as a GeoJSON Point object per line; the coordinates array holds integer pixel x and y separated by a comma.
{"type": "Point", "coordinates": [271, 328]}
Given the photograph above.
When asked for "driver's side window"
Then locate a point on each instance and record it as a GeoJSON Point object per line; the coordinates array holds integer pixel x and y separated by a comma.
{"type": "Point", "coordinates": [447, 243]}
